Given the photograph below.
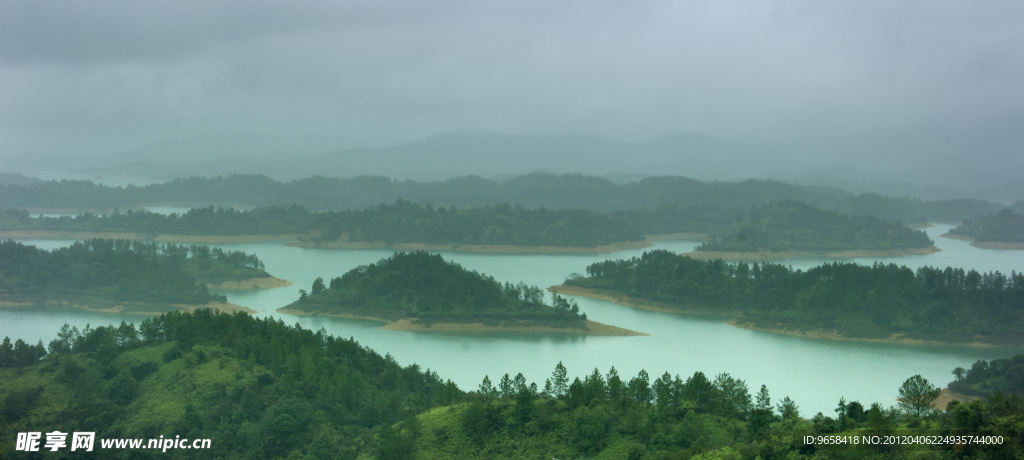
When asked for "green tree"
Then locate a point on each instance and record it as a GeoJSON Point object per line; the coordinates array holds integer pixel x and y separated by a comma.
{"type": "Point", "coordinates": [917, 395]}
{"type": "Point", "coordinates": [788, 409]}
{"type": "Point", "coordinates": [318, 286]}
{"type": "Point", "coordinates": [959, 372]}
{"type": "Point", "coordinates": [559, 380]}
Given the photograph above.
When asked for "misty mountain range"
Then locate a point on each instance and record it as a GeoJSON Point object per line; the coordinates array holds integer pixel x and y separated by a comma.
{"type": "Point", "coordinates": [499, 156]}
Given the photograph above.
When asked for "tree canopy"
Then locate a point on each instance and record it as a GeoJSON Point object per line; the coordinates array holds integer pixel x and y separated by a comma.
{"type": "Point", "coordinates": [873, 301]}
{"type": "Point", "coordinates": [423, 285]}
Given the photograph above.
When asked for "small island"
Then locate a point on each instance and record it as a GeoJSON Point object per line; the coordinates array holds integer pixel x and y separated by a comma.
{"type": "Point", "coordinates": [418, 291]}
{"type": "Point", "coordinates": [127, 276]}
{"type": "Point", "coordinates": [788, 229]}
{"type": "Point", "coordinates": [881, 302]}
{"type": "Point", "coordinates": [1002, 230]}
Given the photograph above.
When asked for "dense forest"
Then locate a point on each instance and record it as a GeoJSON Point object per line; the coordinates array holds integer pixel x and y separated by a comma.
{"type": "Point", "coordinates": [987, 377]}
{"type": "Point", "coordinates": [104, 271]}
{"type": "Point", "coordinates": [532, 191]}
{"type": "Point", "coordinates": [795, 226]}
{"type": "Point", "coordinates": [1003, 226]}
{"type": "Point", "coordinates": [780, 226]}
{"type": "Point", "coordinates": [875, 301]}
{"type": "Point", "coordinates": [402, 222]}
{"type": "Point", "coordinates": [427, 287]}
{"type": "Point", "coordinates": [261, 389]}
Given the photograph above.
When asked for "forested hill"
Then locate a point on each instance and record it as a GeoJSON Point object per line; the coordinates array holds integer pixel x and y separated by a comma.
{"type": "Point", "coordinates": [530, 191]}
{"type": "Point", "coordinates": [402, 222]}
{"type": "Point", "coordinates": [101, 273]}
{"type": "Point", "coordinates": [257, 388]}
{"type": "Point", "coordinates": [1005, 226]}
{"type": "Point", "coordinates": [856, 301]}
{"type": "Point", "coordinates": [427, 287]}
{"type": "Point", "coordinates": [780, 226]}
{"type": "Point", "coordinates": [988, 377]}
{"type": "Point", "coordinates": [795, 226]}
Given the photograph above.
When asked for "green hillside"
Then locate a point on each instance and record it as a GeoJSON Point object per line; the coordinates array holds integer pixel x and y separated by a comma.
{"type": "Point", "coordinates": [101, 273]}
{"type": "Point", "coordinates": [257, 388]}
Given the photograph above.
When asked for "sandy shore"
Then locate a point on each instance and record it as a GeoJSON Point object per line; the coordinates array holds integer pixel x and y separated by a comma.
{"type": "Point", "coordinates": [4, 303]}
{"type": "Point", "coordinates": [475, 248]}
{"type": "Point", "coordinates": [136, 308]}
{"type": "Point", "coordinates": [954, 236]}
{"type": "Point", "coordinates": [266, 282]}
{"type": "Point", "coordinates": [781, 255]}
{"type": "Point", "coordinates": [338, 244]}
{"type": "Point", "coordinates": [223, 239]}
{"type": "Point", "coordinates": [835, 335]}
{"type": "Point", "coordinates": [292, 311]}
{"type": "Point", "coordinates": [592, 328]}
{"type": "Point", "coordinates": [209, 239]}
{"type": "Point", "coordinates": [410, 324]}
{"type": "Point", "coordinates": [643, 304]}
{"type": "Point", "coordinates": [59, 235]}
{"type": "Point", "coordinates": [1001, 245]}
{"type": "Point", "coordinates": [677, 236]}
{"type": "Point", "coordinates": [946, 396]}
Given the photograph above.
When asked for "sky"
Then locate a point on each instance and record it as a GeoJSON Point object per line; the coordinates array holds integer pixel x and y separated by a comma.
{"type": "Point", "coordinates": [866, 83]}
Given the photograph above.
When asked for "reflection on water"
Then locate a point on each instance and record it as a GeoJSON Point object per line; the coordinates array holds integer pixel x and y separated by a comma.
{"type": "Point", "coordinates": [815, 373]}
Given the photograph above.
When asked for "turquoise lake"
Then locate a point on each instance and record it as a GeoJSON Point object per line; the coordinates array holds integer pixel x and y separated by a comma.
{"type": "Point", "coordinates": [814, 373]}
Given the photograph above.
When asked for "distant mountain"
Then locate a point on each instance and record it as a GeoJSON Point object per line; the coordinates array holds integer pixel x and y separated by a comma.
{"type": "Point", "coordinates": [440, 157]}
{"type": "Point", "coordinates": [858, 181]}
{"type": "Point", "coordinates": [18, 179]}
{"type": "Point", "coordinates": [489, 154]}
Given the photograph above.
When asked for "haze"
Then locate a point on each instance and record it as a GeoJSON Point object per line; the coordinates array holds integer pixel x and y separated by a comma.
{"type": "Point", "coordinates": [925, 92]}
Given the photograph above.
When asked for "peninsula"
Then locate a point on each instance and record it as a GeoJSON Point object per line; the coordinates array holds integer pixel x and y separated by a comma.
{"type": "Point", "coordinates": [1002, 230]}
{"type": "Point", "coordinates": [126, 276]}
{"type": "Point", "coordinates": [417, 291]}
{"type": "Point", "coordinates": [788, 229]}
{"type": "Point", "coordinates": [885, 303]}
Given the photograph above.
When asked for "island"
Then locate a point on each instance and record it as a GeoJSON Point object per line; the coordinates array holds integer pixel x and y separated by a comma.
{"type": "Point", "coordinates": [1002, 230]}
{"type": "Point", "coordinates": [880, 302]}
{"type": "Point", "coordinates": [788, 229]}
{"type": "Point", "coordinates": [418, 291]}
{"type": "Point", "coordinates": [127, 276]}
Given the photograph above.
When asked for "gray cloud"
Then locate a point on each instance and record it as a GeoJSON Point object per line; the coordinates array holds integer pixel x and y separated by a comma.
{"type": "Point", "coordinates": [837, 81]}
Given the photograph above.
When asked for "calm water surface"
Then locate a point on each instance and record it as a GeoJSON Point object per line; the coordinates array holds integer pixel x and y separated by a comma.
{"type": "Point", "coordinates": [815, 373]}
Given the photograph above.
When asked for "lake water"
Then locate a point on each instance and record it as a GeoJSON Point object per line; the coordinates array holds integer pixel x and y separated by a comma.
{"type": "Point", "coordinates": [814, 373]}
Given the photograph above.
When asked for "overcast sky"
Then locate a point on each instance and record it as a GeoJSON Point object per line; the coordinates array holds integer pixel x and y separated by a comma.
{"type": "Point", "coordinates": [96, 77]}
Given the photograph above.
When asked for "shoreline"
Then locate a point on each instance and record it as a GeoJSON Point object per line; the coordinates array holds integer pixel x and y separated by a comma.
{"type": "Point", "coordinates": [737, 321]}
{"type": "Point", "coordinates": [782, 255]}
{"type": "Point", "coordinates": [292, 311]}
{"type": "Point", "coordinates": [895, 338]}
{"type": "Point", "coordinates": [592, 328]}
{"type": "Point", "coordinates": [119, 307]}
{"type": "Point", "coordinates": [475, 248]}
{"type": "Point", "coordinates": [162, 237]}
{"type": "Point", "coordinates": [619, 298]}
{"type": "Point", "coordinates": [947, 396]}
{"type": "Point", "coordinates": [685, 236]}
{"type": "Point", "coordinates": [997, 245]}
{"type": "Point", "coordinates": [263, 282]}
{"type": "Point", "coordinates": [409, 324]}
